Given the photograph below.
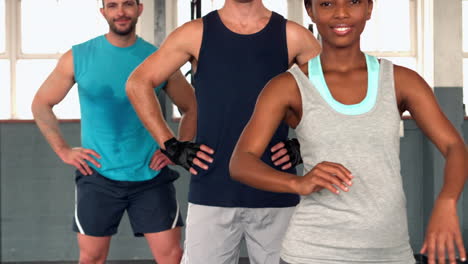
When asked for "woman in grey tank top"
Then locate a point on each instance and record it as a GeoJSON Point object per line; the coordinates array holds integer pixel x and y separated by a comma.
{"type": "Point", "coordinates": [346, 107]}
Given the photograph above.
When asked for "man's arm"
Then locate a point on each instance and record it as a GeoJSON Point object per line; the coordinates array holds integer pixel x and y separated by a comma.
{"type": "Point", "coordinates": [183, 96]}
{"type": "Point", "coordinates": [181, 46]}
{"type": "Point", "coordinates": [51, 92]}
{"type": "Point", "coordinates": [158, 67]}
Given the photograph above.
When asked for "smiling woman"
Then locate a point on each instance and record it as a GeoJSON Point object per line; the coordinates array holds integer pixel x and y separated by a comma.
{"type": "Point", "coordinates": [345, 107]}
{"type": "Point", "coordinates": [387, 38]}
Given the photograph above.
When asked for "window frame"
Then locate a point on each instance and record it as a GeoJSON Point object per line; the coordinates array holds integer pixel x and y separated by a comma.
{"type": "Point", "coordinates": [10, 47]}
{"type": "Point", "coordinates": [14, 53]}
{"type": "Point", "coordinates": [13, 48]}
{"type": "Point", "coordinates": [413, 9]}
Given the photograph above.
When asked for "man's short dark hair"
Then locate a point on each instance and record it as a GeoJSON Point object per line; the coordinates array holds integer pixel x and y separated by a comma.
{"type": "Point", "coordinates": [137, 1]}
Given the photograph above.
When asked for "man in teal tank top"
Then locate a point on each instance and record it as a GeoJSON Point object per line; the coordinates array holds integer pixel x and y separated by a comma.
{"type": "Point", "coordinates": [120, 166]}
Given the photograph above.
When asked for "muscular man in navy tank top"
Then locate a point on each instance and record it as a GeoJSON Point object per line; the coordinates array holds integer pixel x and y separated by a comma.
{"type": "Point", "coordinates": [234, 52]}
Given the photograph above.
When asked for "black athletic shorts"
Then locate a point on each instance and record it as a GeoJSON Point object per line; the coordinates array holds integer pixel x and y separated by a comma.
{"type": "Point", "coordinates": [101, 202]}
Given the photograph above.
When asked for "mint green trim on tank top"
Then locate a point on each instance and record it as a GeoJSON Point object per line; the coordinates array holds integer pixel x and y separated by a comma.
{"type": "Point", "coordinates": [318, 80]}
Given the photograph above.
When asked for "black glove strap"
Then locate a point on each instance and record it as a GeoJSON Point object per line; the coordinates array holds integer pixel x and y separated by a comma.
{"type": "Point", "coordinates": [294, 151]}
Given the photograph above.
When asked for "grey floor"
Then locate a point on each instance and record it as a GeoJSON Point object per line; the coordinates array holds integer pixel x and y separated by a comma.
{"type": "Point", "coordinates": [419, 260]}
{"type": "Point", "coordinates": [75, 262]}
{"type": "Point", "coordinates": [241, 261]}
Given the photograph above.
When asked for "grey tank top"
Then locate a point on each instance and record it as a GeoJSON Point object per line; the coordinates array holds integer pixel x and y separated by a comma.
{"type": "Point", "coordinates": [368, 224]}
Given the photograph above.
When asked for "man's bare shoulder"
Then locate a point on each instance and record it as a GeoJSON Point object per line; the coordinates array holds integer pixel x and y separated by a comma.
{"type": "Point", "coordinates": [302, 44]}
{"type": "Point", "coordinates": [191, 27]}
{"type": "Point", "coordinates": [186, 38]}
{"type": "Point", "coordinates": [189, 33]}
{"type": "Point", "coordinates": [297, 31]}
{"type": "Point", "coordinates": [291, 25]}
{"type": "Point", "coordinates": [65, 64]}
{"type": "Point", "coordinates": [66, 57]}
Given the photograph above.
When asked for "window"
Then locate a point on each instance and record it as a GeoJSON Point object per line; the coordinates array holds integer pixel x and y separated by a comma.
{"type": "Point", "coordinates": [465, 54]}
{"type": "Point", "coordinates": [36, 71]}
{"type": "Point", "coordinates": [2, 26]}
{"type": "Point", "coordinates": [37, 41]}
{"type": "Point", "coordinates": [4, 66]}
{"type": "Point", "coordinates": [79, 21]}
{"type": "Point", "coordinates": [4, 89]}
{"type": "Point", "coordinates": [280, 7]}
{"type": "Point", "coordinates": [395, 41]}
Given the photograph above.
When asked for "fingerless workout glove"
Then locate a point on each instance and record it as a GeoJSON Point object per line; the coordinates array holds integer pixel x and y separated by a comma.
{"type": "Point", "coordinates": [294, 151]}
{"type": "Point", "coordinates": [181, 152]}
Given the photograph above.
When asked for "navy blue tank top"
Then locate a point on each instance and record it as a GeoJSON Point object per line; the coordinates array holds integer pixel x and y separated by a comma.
{"type": "Point", "coordinates": [232, 70]}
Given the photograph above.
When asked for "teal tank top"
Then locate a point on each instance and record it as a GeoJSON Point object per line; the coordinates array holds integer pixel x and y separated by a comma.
{"type": "Point", "coordinates": [109, 124]}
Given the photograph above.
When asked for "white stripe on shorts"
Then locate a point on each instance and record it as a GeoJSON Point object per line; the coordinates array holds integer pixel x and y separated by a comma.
{"type": "Point", "coordinates": [177, 216]}
{"type": "Point", "coordinates": [77, 221]}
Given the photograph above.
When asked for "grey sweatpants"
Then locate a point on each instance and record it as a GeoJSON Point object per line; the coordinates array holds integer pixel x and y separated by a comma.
{"type": "Point", "coordinates": [214, 234]}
